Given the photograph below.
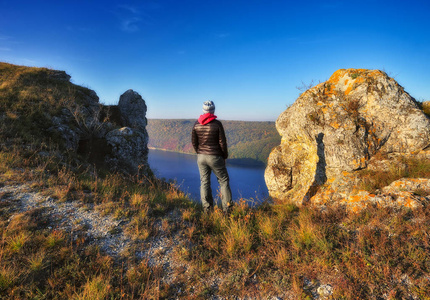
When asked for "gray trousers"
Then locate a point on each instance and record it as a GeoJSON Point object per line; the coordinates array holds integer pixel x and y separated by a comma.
{"type": "Point", "coordinates": [206, 164]}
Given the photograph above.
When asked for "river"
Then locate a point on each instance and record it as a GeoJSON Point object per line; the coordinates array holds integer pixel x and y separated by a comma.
{"type": "Point", "coordinates": [246, 182]}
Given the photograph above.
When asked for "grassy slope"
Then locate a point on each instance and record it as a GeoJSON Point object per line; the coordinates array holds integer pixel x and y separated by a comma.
{"type": "Point", "coordinates": [277, 249]}
{"type": "Point", "coordinates": [28, 99]}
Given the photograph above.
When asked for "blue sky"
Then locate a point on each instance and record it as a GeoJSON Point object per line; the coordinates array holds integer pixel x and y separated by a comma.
{"type": "Point", "coordinates": [249, 57]}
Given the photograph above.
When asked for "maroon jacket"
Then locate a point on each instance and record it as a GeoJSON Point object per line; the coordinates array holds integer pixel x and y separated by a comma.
{"type": "Point", "coordinates": [208, 136]}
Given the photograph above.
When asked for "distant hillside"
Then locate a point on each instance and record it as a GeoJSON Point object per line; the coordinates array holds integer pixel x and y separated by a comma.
{"type": "Point", "coordinates": [248, 142]}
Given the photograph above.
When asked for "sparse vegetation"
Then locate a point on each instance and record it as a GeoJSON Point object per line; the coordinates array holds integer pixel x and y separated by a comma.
{"type": "Point", "coordinates": [355, 75]}
{"type": "Point", "coordinates": [425, 106]}
{"type": "Point", "coordinates": [28, 99]}
{"type": "Point", "coordinates": [315, 117]}
{"type": "Point", "coordinates": [373, 180]}
{"type": "Point", "coordinates": [305, 86]}
{"type": "Point", "coordinates": [38, 260]}
{"type": "Point", "coordinates": [283, 247]}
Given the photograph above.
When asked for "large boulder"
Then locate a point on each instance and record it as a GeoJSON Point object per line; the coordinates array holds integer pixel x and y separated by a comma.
{"type": "Point", "coordinates": [336, 127]}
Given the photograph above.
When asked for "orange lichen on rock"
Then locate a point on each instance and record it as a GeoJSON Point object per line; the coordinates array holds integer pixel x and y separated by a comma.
{"type": "Point", "coordinates": [335, 125]}
{"type": "Point", "coordinates": [331, 180]}
{"type": "Point", "coordinates": [356, 209]}
{"type": "Point", "coordinates": [348, 89]}
{"type": "Point", "coordinates": [355, 198]}
{"type": "Point", "coordinates": [324, 109]}
{"type": "Point", "coordinates": [324, 195]}
{"type": "Point", "coordinates": [398, 183]}
{"type": "Point", "coordinates": [329, 90]}
{"type": "Point", "coordinates": [409, 202]}
{"type": "Point", "coordinates": [375, 73]}
{"type": "Point", "coordinates": [359, 163]}
{"type": "Point", "coordinates": [334, 79]}
{"type": "Point", "coordinates": [345, 80]}
{"type": "Point", "coordinates": [346, 174]}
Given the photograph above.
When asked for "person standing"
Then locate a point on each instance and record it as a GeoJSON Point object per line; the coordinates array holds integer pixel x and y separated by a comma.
{"type": "Point", "coordinates": [209, 142]}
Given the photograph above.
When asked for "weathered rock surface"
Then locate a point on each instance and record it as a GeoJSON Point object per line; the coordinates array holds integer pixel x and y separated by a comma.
{"type": "Point", "coordinates": [133, 110]}
{"type": "Point", "coordinates": [335, 128]}
{"type": "Point", "coordinates": [129, 150]}
{"type": "Point", "coordinates": [77, 120]}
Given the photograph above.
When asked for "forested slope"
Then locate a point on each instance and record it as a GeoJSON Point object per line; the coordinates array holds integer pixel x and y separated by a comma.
{"type": "Point", "coordinates": [248, 142]}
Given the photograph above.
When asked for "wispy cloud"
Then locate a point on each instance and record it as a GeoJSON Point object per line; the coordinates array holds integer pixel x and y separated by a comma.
{"type": "Point", "coordinates": [130, 24]}
{"type": "Point", "coordinates": [5, 49]}
{"type": "Point", "coordinates": [133, 17]}
{"type": "Point", "coordinates": [129, 18]}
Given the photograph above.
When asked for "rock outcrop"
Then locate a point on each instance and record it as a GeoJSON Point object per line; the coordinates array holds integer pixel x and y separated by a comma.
{"type": "Point", "coordinates": [78, 120]}
{"type": "Point", "coordinates": [335, 129]}
{"type": "Point", "coordinates": [121, 146]}
{"type": "Point", "coordinates": [129, 145]}
{"type": "Point", "coordinates": [132, 109]}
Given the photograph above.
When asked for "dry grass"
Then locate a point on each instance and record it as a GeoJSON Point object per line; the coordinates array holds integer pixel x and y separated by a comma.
{"type": "Point", "coordinates": [37, 261]}
{"type": "Point", "coordinates": [362, 256]}
{"type": "Point", "coordinates": [425, 106]}
{"type": "Point", "coordinates": [253, 251]}
{"type": "Point", "coordinates": [28, 99]}
{"type": "Point", "coordinates": [404, 167]}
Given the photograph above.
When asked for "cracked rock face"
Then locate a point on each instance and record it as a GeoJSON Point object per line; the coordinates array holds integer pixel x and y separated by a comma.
{"type": "Point", "coordinates": [337, 126]}
{"type": "Point", "coordinates": [129, 150]}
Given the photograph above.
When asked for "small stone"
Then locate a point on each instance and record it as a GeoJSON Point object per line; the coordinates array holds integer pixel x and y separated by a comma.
{"type": "Point", "coordinates": [325, 290]}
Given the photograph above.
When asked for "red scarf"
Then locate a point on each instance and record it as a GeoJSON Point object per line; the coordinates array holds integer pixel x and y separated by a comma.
{"type": "Point", "coordinates": [206, 118]}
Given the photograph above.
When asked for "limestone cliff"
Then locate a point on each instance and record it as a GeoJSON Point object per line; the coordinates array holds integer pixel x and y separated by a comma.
{"type": "Point", "coordinates": [335, 129]}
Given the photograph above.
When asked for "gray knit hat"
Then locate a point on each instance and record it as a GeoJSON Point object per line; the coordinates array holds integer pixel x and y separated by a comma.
{"type": "Point", "coordinates": [208, 107]}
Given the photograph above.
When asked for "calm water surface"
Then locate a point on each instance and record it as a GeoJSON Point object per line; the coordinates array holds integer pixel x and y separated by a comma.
{"type": "Point", "coordinates": [245, 182]}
